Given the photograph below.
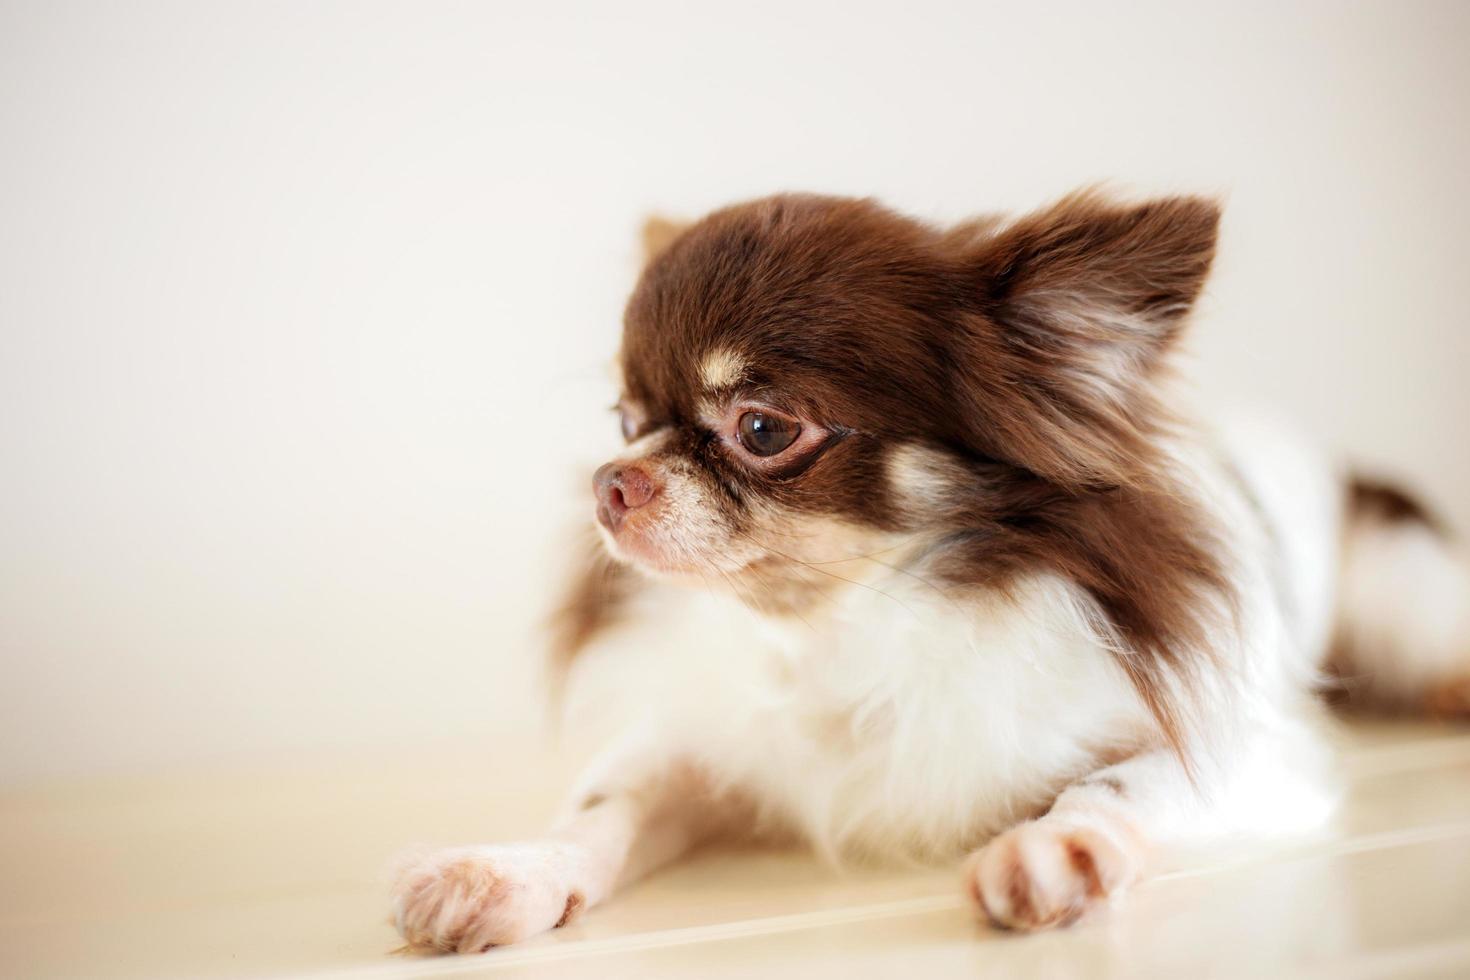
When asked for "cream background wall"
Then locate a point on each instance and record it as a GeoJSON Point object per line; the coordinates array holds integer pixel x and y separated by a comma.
{"type": "Point", "coordinates": [304, 307]}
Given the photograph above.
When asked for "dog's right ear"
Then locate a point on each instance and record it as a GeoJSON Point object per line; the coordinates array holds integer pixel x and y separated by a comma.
{"type": "Point", "coordinates": [659, 233]}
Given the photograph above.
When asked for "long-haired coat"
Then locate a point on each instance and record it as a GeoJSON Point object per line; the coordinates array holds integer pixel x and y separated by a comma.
{"type": "Point", "coordinates": [935, 564]}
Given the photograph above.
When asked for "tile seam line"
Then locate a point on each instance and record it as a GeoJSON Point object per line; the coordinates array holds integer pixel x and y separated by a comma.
{"type": "Point", "coordinates": [799, 921]}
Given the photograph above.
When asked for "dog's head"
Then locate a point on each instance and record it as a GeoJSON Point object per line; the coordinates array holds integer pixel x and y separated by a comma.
{"type": "Point", "coordinates": [808, 379]}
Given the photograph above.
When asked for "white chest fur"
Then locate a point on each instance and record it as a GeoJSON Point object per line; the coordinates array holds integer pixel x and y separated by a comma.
{"type": "Point", "coordinates": [903, 722]}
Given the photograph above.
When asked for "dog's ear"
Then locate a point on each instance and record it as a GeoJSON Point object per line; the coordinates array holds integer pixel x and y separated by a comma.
{"type": "Point", "coordinates": [1078, 302]}
{"type": "Point", "coordinates": [659, 233]}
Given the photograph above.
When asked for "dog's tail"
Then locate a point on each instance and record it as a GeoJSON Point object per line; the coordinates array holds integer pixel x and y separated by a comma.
{"type": "Point", "coordinates": [1402, 641]}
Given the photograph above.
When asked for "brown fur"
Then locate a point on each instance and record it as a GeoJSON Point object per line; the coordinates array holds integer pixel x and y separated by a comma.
{"type": "Point", "coordinates": [595, 600]}
{"type": "Point", "coordinates": [1373, 503]}
{"type": "Point", "coordinates": [1372, 499]}
{"type": "Point", "coordinates": [1024, 354]}
{"type": "Point", "coordinates": [575, 901]}
{"type": "Point", "coordinates": [1111, 784]}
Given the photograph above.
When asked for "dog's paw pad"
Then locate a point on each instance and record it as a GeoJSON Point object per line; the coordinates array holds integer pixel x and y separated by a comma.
{"type": "Point", "coordinates": [467, 900]}
{"type": "Point", "coordinates": [1046, 873]}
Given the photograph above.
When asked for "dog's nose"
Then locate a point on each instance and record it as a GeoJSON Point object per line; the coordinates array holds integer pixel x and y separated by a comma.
{"type": "Point", "coordinates": [620, 489]}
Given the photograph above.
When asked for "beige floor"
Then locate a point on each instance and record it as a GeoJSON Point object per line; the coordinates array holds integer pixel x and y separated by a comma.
{"type": "Point", "coordinates": [277, 872]}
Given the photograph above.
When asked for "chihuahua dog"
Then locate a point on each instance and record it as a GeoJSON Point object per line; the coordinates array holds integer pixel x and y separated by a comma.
{"type": "Point", "coordinates": [938, 563]}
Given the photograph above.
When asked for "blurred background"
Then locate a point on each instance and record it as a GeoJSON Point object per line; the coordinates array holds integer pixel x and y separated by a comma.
{"type": "Point", "coordinates": [306, 308]}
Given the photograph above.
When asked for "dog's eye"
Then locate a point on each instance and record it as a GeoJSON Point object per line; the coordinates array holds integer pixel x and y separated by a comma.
{"type": "Point", "coordinates": [628, 423]}
{"type": "Point", "coordinates": [766, 435]}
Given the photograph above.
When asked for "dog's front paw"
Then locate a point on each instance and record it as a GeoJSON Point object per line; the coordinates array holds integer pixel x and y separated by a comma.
{"type": "Point", "coordinates": [1049, 873]}
{"type": "Point", "coordinates": [471, 898]}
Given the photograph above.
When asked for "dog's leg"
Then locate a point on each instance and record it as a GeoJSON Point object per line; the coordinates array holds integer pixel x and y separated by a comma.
{"type": "Point", "coordinates": [471, 898]}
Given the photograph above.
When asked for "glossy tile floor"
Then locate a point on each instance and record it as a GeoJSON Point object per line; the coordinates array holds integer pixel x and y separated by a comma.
{"type": "Point", "coordinates": [278, 872]}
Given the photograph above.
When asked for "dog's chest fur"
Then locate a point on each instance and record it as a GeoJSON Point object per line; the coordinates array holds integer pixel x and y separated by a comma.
{"type": "Point", "coordinates": [902, 721]}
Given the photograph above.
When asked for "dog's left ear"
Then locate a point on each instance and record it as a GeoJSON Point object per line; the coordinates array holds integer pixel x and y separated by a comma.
{"type": "Point", "coordinates": [1080, 301]}
{"type": "Point", "coordinates": [659, 233]}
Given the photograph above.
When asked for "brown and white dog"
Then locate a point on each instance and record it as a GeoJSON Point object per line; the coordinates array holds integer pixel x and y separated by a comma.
{"type": "Point", "coordinates": [954, 574]}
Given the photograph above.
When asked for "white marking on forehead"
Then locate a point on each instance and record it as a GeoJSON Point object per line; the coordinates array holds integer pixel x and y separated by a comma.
{"type": "Point", "coordinates": [721, 369]}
